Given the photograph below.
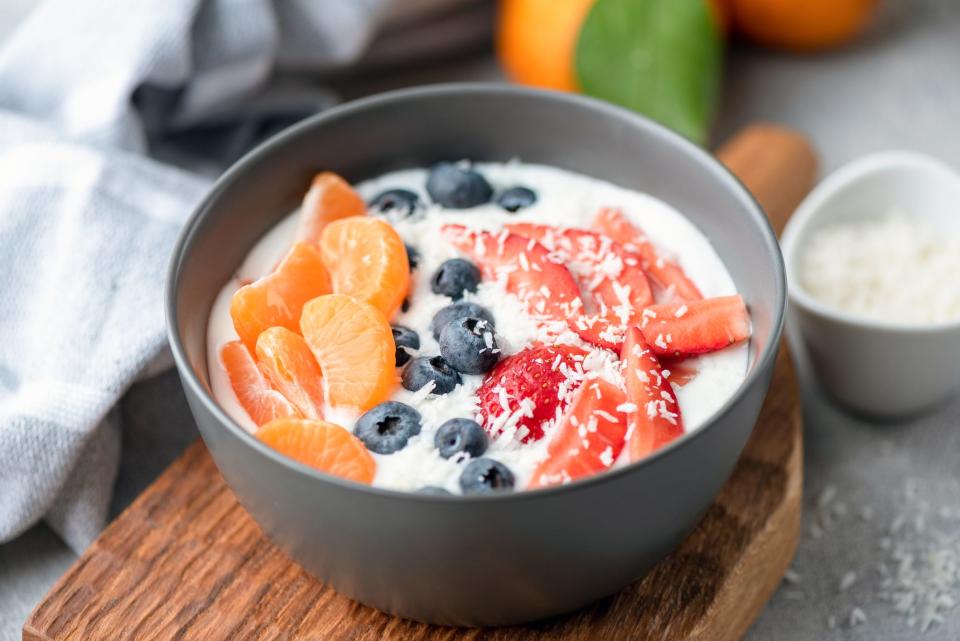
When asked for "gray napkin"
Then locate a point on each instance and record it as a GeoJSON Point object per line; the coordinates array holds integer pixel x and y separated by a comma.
{"type": "Point", "coordinates": [88, 90]}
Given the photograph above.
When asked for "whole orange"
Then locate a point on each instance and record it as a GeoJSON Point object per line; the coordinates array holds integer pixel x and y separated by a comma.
{"type": "Point", "coordinates": [800, 25]}
{"type": "Point", "coordinates": [537, 39]}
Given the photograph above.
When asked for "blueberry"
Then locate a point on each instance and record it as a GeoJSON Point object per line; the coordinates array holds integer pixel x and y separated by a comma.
{"type": "Point", "coordinates": [402, 201]}
{"type": "Point", "coordinates": [456, 187]}
{"type": "Point", "coordinates": [461, 435]}
{"type": "Point", "coordinates": [452, 312]}
{"type": "Point", "coordinates": [454, 277]}
{"type": "Point", "coordinates": [485, 476]}
{"type": "Point", "coordinates": [407, 341]}
{"type": "Point", "coordinates": [469, 345]}
{"type": "Point", "coordinates": [387, 427]}
{"type": "Point", "coordinates": [413, 257]}
{"type": "Point", "coordinates": [421, 371]}
{"type": "Point", "coordinates": [433, 490]}
{"type": "Point", "coordinates": [516, 198]}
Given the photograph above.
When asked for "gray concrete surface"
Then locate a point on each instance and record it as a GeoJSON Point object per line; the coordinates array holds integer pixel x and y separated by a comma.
{"type": "Point", "coordinates": [876, 494]}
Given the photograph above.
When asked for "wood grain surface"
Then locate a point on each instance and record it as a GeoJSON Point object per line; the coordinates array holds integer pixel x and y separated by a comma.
{"type": "Point", "coordinates": [185, 561]}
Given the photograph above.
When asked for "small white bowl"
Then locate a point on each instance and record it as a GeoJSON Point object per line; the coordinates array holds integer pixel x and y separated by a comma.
{"type": "Point", "coordinates": [875, 367]}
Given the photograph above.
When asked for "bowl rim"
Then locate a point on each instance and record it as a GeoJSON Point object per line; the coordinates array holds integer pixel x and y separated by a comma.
{"type": "Point", "coordinates": [184, 243]}
{"type": "Point", "coordinates": [816, 203]}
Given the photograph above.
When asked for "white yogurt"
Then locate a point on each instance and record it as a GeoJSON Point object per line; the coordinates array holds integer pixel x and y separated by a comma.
{"type": "Point", "coordinates": [563, 198]}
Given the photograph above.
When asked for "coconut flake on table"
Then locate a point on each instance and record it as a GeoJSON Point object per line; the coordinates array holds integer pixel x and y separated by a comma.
{"type": "Point", "coordinates": [913, 572]}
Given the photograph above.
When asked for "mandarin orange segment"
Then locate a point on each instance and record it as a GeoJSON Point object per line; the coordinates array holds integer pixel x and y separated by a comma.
{"type": "Point", "coordinates": [367, 260]}
{"type": "Point", "coordinates": [261, 402]}
{"type": "Point", "coordinates": [353, 344]}
{"type": "Point", "coordinates": [322, 446]}
{"type": "Point", "coordinates": [288, 364]}
{"type": "Point", "coordinates": [330, 198]}
{"type": "Point", "coordinates": [277, 299]}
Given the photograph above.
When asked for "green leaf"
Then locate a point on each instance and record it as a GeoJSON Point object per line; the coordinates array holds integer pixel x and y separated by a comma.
{"type": "Point", "coordinates": [662, 58]}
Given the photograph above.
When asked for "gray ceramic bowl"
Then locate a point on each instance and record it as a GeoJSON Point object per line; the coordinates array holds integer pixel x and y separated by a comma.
{"type": "Point", "coordinates": [480, 560]}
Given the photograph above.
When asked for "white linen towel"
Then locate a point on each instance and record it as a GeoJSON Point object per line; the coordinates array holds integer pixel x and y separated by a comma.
{"type": "Point", "coordinates": [87, 220]}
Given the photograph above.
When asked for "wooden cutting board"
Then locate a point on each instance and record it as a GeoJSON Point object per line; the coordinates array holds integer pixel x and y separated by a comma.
{"type": "Point", "coordinates": [185, 561]}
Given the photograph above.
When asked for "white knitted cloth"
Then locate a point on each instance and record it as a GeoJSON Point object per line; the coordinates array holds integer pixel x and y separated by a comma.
{"type": "Point", "coordinates": [87, 222]}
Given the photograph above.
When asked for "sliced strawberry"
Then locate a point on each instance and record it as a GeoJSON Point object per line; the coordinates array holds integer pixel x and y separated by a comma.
{"type": "Point", "coordinates": [667, 275]}
{"type": "Point", "coordinates": [609, 277]}
{"type": "Point", "coordinates": [530, 387]}
{"type": "Point", "coordinates": [599, 330]}
{"type": "Point", "coordinates": [603, 267]}
{"type": "Point", "coordinates": [547, 289]}
{"type": "Point", "coordinates": [653, 411]}
{"type": "Point", "coordinates": [589, 437]}
{"type": "Point", "coordinates": [695, 327]}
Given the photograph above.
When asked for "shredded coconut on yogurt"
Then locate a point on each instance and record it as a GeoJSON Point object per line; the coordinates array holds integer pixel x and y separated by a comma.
{"type": "Point", "coordinates": [564, 198]}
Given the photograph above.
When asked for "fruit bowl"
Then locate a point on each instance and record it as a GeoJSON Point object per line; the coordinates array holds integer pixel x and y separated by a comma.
{"type": "Point", "coordinates": [860, 360]}
{"type": "Point", "coordinates": [478, 560]}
